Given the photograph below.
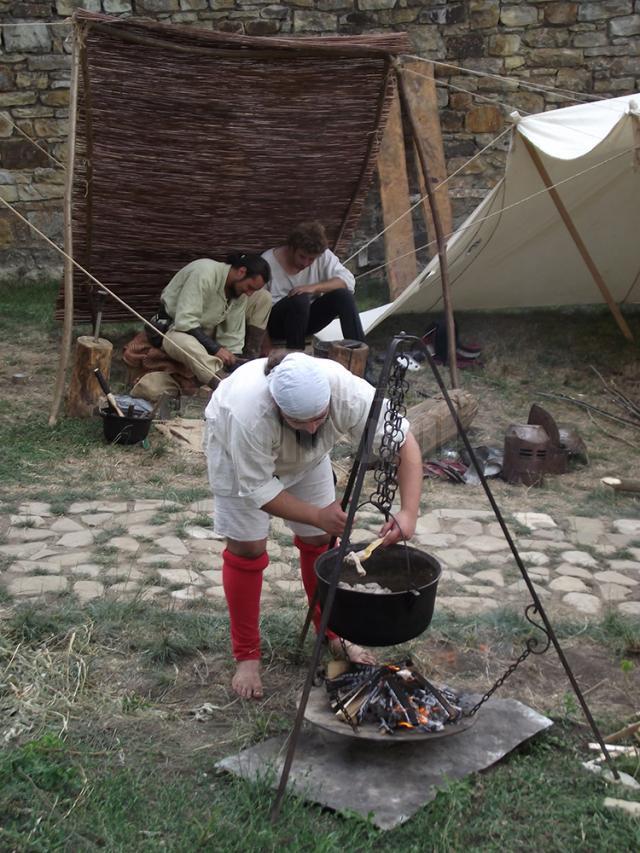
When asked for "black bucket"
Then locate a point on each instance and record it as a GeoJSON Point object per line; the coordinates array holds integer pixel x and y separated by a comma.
{"type": "Point", "coordinates": [127, 430]}
{"type": "Point", "coordinates": [382, 619]}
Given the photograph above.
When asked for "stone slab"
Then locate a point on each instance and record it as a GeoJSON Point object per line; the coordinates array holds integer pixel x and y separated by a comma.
{"type": "Point", "coordinates": [388, 782]}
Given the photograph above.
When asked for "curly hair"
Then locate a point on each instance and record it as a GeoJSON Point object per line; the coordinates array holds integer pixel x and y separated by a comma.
{"type": "Point", "coordinates": [310, 237]}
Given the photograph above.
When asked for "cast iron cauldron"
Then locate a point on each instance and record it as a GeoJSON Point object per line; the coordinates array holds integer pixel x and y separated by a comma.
{"type": "Point", "coordinates": [127, 430]}
{"type": "Point", "coordinates": [383, 619]}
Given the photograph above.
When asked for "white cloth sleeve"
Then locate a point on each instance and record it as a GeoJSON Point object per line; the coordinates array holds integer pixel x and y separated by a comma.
{"type": "Point", "coordinates": [331, 267]}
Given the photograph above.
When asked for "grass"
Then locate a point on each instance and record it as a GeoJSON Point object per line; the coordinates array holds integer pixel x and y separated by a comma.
{"type": "Point", "coordinates": [102, 761]}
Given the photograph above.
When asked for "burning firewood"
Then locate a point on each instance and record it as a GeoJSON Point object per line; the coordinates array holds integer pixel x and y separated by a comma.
{"type": "Point", "coordinates": [393, 696]}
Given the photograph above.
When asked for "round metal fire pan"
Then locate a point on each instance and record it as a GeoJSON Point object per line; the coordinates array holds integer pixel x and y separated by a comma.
{"type": "Point", "coordinates": [319, 713]}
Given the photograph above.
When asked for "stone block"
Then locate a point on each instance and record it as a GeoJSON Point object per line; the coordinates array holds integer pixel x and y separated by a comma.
{"type": "Point", "coordinates": [51, 62]}
{"type": "Point", "coordinates": [561, 14]}
{"type": "Point", "coordinates": [451, 13]}
{"type": "Point", "coordinates": [602, 11]}
{"type": "Point", "coordinates": [519, 16]}
{"type": "Point", "coordinates": [30, 38]}
{"type": "Point", "coordinates": [483, 14]}
{"type": "Point", "coordinates": [626, 26]}
{"type": "Point", "coordinates": [589, 605]}
{"type": "Point", "coordinates": [629, 65]}
{"type": "Point", "coordinates": [576, 80]}
{"type": "Point", "coordinates": [119, 7]}
{"type": "Point", "coordinates": [307, 21]}
{"type": "Point", "coordinates": [88, 590]}
{"type": "Point", "coordinates": [59, 98]}
{"type": "Point", "coordinates": [281, 13]}
{"type": "Point", "coordinates": [427, 42]}
{"type": "Point", "coordinates": [6, 126]}
{"type": "Point", "coordinates": [16, 99]}
{"type": "Point", "coordinates": [261, 28]}
{"type": "Point", "coordinates": [372, 5]}
{"type": "Point", "coordinates": [504, 44]}
{"type": "Point", "coordinates": [484, 119]}
{"type": "Point", "coordinates": [615, 577]}
{"type": "Point", "coordinates": [594, 39]}
{"type": "Point", "coordinates": [193, 5]}
{"type": "Point", "coordinates": [21, 154]}
{"type": "Point", "coordinates": [627, 526]}
{"type": "Point", "coordinates": [7, 79]}
{"type": "Point", "coordinates": [37, 585]}
{"type": "Point", "coordinates": [546, 37]}
{"type": "Point", "coordinates": [68, 7]}
{"type": "Point", "coordinates": [45, 128]}
{"type": "Point", "coordinates": [560, 58]}
{"type": "Point", "coordinates": [528, 102]}
{"type": "Point", "coordinates": [464, 46]}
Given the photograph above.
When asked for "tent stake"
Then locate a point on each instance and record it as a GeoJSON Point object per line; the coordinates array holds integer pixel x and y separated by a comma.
{"type": "Point", "coordinates": [437, 224]}
{"type": "Point", "coordinates": [577, 239]}
{"type": "Point", "coordinates": [67, 328]}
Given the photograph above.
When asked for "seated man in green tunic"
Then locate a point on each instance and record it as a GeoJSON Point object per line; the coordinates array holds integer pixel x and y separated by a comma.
{"type": "Point", "coordinates": [211, 320]}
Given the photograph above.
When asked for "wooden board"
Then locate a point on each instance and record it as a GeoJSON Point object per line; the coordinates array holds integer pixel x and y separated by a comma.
{"type": "Point", "coordinates": [421, 92]}
{"type": "Point", "coordinates": [394, 194]}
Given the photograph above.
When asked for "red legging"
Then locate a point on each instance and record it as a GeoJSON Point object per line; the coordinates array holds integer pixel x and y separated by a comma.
{"type": "Point", "coordinates": [308, 556]}
{"type": "Point", "coordinates": [242, 581]}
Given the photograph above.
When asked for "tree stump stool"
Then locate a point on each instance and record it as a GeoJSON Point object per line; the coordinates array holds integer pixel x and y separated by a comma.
{"type": "Point", "coordinates": [351, 354]}
{"type": "Point", "coordinates": [84, 390]}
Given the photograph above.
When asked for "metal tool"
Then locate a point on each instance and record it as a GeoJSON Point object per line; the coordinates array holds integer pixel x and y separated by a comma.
{"type": "Point", "coordinates": [98, 301]}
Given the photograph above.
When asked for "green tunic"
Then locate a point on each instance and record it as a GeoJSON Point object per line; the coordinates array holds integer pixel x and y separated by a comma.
{"type": "Point", "coordinates": [195, 298]}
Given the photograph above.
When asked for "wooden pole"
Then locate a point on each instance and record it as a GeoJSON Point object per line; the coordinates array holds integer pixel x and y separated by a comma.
{"type": "Point", "coordinates": [442, 249]}
{"type": "Point", "coordinates": [577, 239]}
{"type": "Point", "coordinates": [67, 327]}
{"type": "Point", "coordinates": [399, 244]}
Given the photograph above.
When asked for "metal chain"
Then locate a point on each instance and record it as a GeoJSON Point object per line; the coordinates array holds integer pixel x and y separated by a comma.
{"type": "Point", "coordinates": [525, 654]}
{"type": "Point", "coordinates": [531, 647]}
{"type": "Point", "coordinates": [386, 469]}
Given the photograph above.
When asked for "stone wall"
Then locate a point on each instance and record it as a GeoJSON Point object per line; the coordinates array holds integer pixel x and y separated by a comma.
{"type": "Point", "coordinates": [582, 47]}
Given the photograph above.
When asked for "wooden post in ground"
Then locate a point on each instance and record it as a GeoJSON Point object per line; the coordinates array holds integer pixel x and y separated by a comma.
{"type": "Point", "coordinates": [423, 99]}
{"type": "Point", "coordinates": [399, 245]}
{"type": "Point", "coordinates": [442, 249]}
{"type": "Point", "coordinates": [67, 327]}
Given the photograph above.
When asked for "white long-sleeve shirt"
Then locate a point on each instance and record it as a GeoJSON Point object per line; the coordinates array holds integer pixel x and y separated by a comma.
{"type": "Point", "coordinates": [252, 454]}
{"type": "Point", "coordinates": [326, 266]}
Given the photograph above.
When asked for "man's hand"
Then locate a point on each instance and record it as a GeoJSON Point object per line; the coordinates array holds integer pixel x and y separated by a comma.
{"type": "Point", "coordinates": [303, 290]}
{"type": "Point", "coordinates": [332, 519]}
{"type": "Point", "coordinates": [393, 530]}
{"type": "Point", "coordinates": [226, 357]}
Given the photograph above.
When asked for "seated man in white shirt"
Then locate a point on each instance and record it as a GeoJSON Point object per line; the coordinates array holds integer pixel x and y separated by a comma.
{"type": "Point", "coordinates": [309, 288]}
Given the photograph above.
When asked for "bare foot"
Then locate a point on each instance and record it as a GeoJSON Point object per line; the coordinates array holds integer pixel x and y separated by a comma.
{"type": "Point", "coordinates": [247, 682]}
{"type": "Point", "coordinates": [356, 654]}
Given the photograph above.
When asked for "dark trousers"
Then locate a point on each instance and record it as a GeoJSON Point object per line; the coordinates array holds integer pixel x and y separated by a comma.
{"type": "Point", "coordinates": [295, 317]}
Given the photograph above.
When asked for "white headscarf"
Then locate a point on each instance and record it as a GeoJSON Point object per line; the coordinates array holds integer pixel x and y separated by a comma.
{"type": "Point", "coordinates": [300, 386]}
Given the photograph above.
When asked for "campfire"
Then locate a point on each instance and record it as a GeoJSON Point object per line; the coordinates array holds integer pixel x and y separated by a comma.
{"type": "Point", "coordinates": [392, 697]}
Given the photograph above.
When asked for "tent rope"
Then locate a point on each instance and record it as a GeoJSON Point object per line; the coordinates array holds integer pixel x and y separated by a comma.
{"type": "Point", "coordinates": [424, 197]}
{"type": "Point", "coordinates": [567, 94]}
{"type": "Point", "coordinates": [97, 281]}
{"type": "Point", "coordinates": [504, 209]}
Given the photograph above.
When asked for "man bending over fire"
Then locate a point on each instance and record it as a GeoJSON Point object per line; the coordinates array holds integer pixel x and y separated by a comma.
{"type": "Point", "coordinates": [270, 428]}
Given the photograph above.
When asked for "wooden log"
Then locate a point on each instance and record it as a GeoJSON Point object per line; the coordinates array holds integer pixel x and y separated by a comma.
{"type": "Point", "coordinates": [350, 354]}
{"type": "Point", "coordinates": [399, 245]}
{"type": "Point", "coordinates": [431, 421]}
{"type": "Point", "coordinates": [619, 484]}
{"type": "Point", "coordinates": [84, 390]}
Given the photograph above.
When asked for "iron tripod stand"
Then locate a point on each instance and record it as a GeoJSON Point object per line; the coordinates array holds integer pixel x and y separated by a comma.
{"type": "Point", "coordinates": [394, 356]}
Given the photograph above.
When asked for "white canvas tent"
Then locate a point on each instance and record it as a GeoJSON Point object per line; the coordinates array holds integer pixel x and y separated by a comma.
{"type": "Point", "coordinates": [514, 251]}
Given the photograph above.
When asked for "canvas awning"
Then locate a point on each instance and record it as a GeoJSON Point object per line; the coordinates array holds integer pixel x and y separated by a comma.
{"type": "Point", "coordinates": [514, 250]}
{"type": "Point", "coordinates": [194, 144]}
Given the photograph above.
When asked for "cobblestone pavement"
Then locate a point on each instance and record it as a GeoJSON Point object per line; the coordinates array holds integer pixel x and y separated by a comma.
{"type": "Point", "coordinates": [158, 550]}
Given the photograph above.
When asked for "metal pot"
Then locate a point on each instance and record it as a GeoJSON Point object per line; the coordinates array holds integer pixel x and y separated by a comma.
{"type": "Point", "coordinates": [383, 619]}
